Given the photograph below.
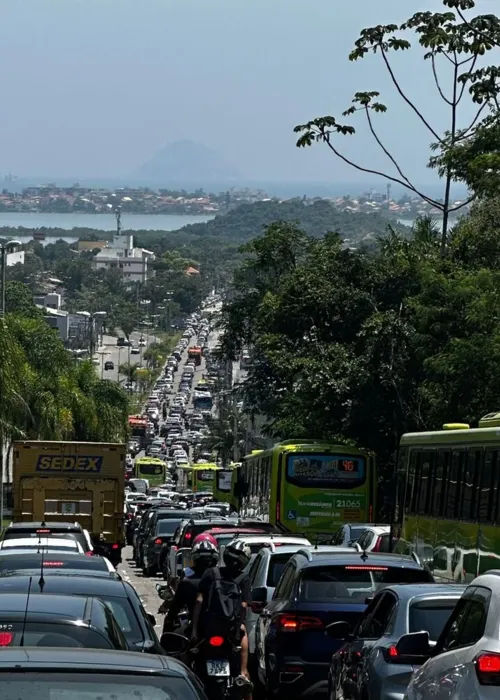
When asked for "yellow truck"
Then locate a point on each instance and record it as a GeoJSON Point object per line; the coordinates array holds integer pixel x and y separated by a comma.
{"type": "Point", "coordinates": [81, 482]}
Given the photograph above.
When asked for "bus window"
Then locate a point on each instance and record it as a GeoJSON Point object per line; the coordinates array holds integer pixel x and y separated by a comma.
{"type": "Point", "coordinates": [487, 488]}
{"type": "Point", "coordinates": [410, 486]}
{"type": "Point", "coordinates": [453, 486]}
{"type": "Point", "coordinates": [441, 470]}
{"type": "Point", "coordinates": [468, 500]}
{"type": "Point", "coordinates": [415, 465]}
{"type": "Point", "coordinates": [425, 482]}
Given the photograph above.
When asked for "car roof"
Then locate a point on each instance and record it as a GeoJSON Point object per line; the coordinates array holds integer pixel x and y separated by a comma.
{"type": "Point", "coordinates": [65, 584]}
{"type": "Point", "coordinates": [94, 660]}
{"type": "Point", "coordinates": [423, 591]}
{"type": "Point", "coordinates": [358, 558]}
{"type": "Point", "coordinates": [265, 537]}
{"type": "Point", "coordinates": [231, 530]}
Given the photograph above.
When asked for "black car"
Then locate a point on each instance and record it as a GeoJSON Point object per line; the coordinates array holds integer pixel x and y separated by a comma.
{"type": "Point", "coordinates": [316, 590]}
{"type": "Point", "coordinates": [160, 534]}
{"type": "Point", "coordinates": [41, 674]}
{"type": "Point", "coordinates": [47, 529]}
{"type": "Point", "coordinates": [39, 620]}
{"type": "Point", "coordinates": [109, 365]}
{"type": "Point", "coordinates": [144, 526]}
{"type": "Point", "coordinates": [136, 624]}
{"type": "Point", "coordinates": [56, 561]}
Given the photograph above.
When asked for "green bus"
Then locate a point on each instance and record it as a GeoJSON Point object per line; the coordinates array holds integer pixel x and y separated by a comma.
{"type": "Point", "coordinates": [198, 477]}
{"type": "Point", "coordinates": [150, 468]}
{"type": "Point", "coordinates": [308, 486]}
{"type": "Point", "coordinates": [449, 499]}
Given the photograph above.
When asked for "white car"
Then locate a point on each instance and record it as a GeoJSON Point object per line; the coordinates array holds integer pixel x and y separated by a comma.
{"type": "Point", "coordinates": [42, 544]}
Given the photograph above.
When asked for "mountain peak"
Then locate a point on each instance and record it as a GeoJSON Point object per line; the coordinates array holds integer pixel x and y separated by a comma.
{"type": "Point", "coordinates": [187, 161]}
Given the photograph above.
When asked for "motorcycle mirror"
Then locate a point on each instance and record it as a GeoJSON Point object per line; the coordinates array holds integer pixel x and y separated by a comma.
{"type": "Point", "coordinates": [173, 643]}
{"type": "Point", "coordinates": [152, 619]}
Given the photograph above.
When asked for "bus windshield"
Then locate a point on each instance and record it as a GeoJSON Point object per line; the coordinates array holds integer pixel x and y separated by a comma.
{"type": "Point", "coordinates": [326, 470]}
{"type": "Point", "coordinates": [151, 469]}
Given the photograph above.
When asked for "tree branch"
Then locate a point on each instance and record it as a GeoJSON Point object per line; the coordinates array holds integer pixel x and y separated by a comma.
{"type": "Point", "coordinates": [464, 204]}
{"type": "Point", "coordinates": [407, 100]}
{"type": "Point", "coordinates": [464, 85]}
{"type": "Point", "coordinates": [472, 124]}
{"type": "Point", "coordinates": [479, 33]}
{"type": "Point", "coordinates": [384, 149]}
{"type": "Point", "coordinates": [436, 80]}
{"type": "Point", "coordinates": [433, 202]}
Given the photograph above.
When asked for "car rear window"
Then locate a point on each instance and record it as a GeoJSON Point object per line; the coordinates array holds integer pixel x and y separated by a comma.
{"type": "Point", "coordinates": [355, 533]}
{"type": "Point", "coordinates": [47, 634]}
{"type": "Point", "coordinates": [355, 582]}
{"type": "Point", "coordinates": [276, 566]}
{"type": "Point", "coordinates": [167, 527]}
{"type": "Point", "coordinates": [13, 562]}
{"type": "Point", "coordinates": [64, 535]}
{"type": "Point", "coordinates": [431, 616]}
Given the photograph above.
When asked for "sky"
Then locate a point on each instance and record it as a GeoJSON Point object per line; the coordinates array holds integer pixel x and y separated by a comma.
{"type": "Point", "coordinates": [95, 87]}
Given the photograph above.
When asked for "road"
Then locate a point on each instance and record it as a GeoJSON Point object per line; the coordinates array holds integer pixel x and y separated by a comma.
{"type": "Point", "coordinates": [120, 355]}
{"type": "Point", "coordinates": [145, 587]}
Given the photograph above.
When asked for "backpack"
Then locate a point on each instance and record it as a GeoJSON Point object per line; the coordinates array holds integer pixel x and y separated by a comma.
{"type": "Point", "coordinates": [223, 609]}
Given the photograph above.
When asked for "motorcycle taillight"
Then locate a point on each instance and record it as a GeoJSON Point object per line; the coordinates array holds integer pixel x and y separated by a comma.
{"type": "Point", "coordinates": [216, 641]}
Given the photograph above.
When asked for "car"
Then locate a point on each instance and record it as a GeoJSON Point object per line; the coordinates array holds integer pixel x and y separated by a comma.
{"type": "Point", "coordinates": [108, 365]}
{"type": "Point", "coordinates": [256, 542]}
{"type": "Point", "coordinates": [161, 532]}
{"type": "Point", "coordinates": [78, 674]}
{"type": "Point", "coordinates": [33, 619]}
{"type": "Point", "coordinates": [49, 529]}
{"type": "Point", "coordinates": [142, 342]}
{"type": "Point", "coordinates": [350, 533]}
{"type": "Point", "coordinates": [465, 661]}
{"type": "Point", "coordinates": [135, 350]}
{"type": "Point", "coordinates": [367, 665]}
{"type": "Point", "coordinates": [292, 650]}
{"type": "Point", "coordinates": [376, 538]}
{"type": "Point", "coordinates": [68, 562]}
{"type": "Point", "coordinates": [41, 544]}
{"type": "Point", "coordinates": [137, 626]}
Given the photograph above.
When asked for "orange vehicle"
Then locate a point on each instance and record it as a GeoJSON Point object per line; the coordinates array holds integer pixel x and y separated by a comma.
{"type": "Point", "coordinates": [194, 353]}
{"type": "Point", "coordinates": [138, 428]}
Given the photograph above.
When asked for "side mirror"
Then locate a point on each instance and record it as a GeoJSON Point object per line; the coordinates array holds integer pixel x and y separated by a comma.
{"type": "Point", "coordinates": [152, 619]}
{"type": "Point", "coordinates": [338, 630]}
{"type": "Point", "coordinates": [174, 643]}
{"type": "Point", "coordinates": [259, 599]}
{"type": "Point", "coordinates": [414, 646]}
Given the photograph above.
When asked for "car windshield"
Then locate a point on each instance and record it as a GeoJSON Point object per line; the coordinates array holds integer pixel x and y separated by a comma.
{"type": "Point", "coordinates": [354, 582]}
{"type": "Point", "coordinates": [85, 686]}
{"type": "Point", "coordinates": [276, 566]}
{"type": "Point", "coordinates": [431, 616]}
{"type": "Point", "coordinates": [167, 527]}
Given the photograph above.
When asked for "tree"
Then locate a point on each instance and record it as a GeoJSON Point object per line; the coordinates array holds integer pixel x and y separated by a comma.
{"type": "Point", "coordinates": [459, 44]}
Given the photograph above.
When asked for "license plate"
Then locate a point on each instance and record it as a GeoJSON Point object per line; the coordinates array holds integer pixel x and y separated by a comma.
{"type": "Point", "coordinates": [219, 667]}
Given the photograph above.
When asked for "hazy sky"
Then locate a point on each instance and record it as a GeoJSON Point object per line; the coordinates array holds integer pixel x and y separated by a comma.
{"type": "Point", "coordinates": [95, 87]}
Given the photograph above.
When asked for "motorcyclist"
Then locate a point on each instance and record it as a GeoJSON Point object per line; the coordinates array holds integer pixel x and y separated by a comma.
{"type": "Point", "coordinates": [204, 555]}
{"type": "Point", "coordinates": [235, 561]}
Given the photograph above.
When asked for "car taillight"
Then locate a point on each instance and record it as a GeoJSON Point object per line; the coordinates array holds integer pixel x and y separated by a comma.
{"type": "Point", "coordinates": [158, 540]}
{"type": "Point", "coordinates": [188, 535]}
{"type": "Point", "coordinates": [216, 641]}
{"type": "Point", "coordinates": [298, 623]}
{"type": "Point", "coordinates": [115, 546]}
{"type": "Point", "coordinates": [488, 668]}
{"type": "Point", "coordinates": [391, 654]}
{"type": "Point", "coordinates": [6, 638]}
{"type": "Point", "coordinates": [53, 563]}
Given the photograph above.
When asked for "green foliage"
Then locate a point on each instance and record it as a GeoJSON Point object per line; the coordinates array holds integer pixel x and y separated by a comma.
{"type": "Point", "coordinates": [364, 346]}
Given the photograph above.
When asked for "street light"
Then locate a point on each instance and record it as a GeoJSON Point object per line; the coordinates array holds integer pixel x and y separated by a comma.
{"type": "Point", "coordinates": [4, 248]}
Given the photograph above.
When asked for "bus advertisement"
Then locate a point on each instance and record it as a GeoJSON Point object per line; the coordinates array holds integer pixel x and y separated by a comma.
{"type": "Point", "coordinates": [150, 468]}
{"type": "Point", "coordinates": [306, 486]}
{"type": "Point", "coordinates": [224, 488]}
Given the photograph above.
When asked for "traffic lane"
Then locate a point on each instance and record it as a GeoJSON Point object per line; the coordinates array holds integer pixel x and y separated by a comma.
{"type": "Point", "coordinates": [145, 587]}
{"type": "Point", "coordinates": [120, 355]}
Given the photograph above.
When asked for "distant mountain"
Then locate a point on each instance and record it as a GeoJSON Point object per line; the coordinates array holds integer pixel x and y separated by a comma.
{"type": "Point", "coordinates": [186, 161]}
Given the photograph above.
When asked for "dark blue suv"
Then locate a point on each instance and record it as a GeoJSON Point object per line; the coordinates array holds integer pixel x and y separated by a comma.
{"type": "Point", "coordinates": [315, 590]}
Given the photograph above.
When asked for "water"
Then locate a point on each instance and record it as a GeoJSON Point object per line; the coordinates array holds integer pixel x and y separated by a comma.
{"type": "Point", "coordinates": [102, 222]}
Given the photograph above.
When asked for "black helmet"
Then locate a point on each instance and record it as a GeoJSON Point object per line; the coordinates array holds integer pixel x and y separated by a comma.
{"type": "Point", "coordinates": [236, 558]}
{"type": "Point", "coordinates": [204, 553]}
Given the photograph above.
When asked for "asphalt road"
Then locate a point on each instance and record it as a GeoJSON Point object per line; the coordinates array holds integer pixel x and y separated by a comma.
{"type": "Point", "coordinates": [120, 355]}
{"type": "Point", "coordinates": [145, 587]}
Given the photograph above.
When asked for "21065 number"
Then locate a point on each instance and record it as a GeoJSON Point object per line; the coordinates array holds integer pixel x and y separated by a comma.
{"type": "Point", "coordinates": [340, 503]}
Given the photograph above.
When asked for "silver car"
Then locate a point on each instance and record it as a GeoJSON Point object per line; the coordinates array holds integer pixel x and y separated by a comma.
{"type": "Point", "coordinates": [465, 663]}
{"type": "Point", "coordinates": [367, 666]}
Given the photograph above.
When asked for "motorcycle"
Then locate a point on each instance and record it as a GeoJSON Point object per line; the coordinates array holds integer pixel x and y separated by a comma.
{"type": "Point", "coordinates": [216, 661]}
{"type": "Point", "coordinates": [166, 593]}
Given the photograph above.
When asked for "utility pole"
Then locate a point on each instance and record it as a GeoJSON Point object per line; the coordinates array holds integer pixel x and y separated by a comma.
{"type": "Point", "coordinates": [118, 214]}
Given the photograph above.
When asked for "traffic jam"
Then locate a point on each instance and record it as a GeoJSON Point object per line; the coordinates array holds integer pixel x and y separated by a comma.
{"type": "Point", "coordinates": [152, 571]}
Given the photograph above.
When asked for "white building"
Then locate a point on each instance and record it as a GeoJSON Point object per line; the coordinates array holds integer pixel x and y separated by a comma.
{"type": "Point", "coordinates": [134, 263]}
{"type": "Point", "coordinates": [14, 258]}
